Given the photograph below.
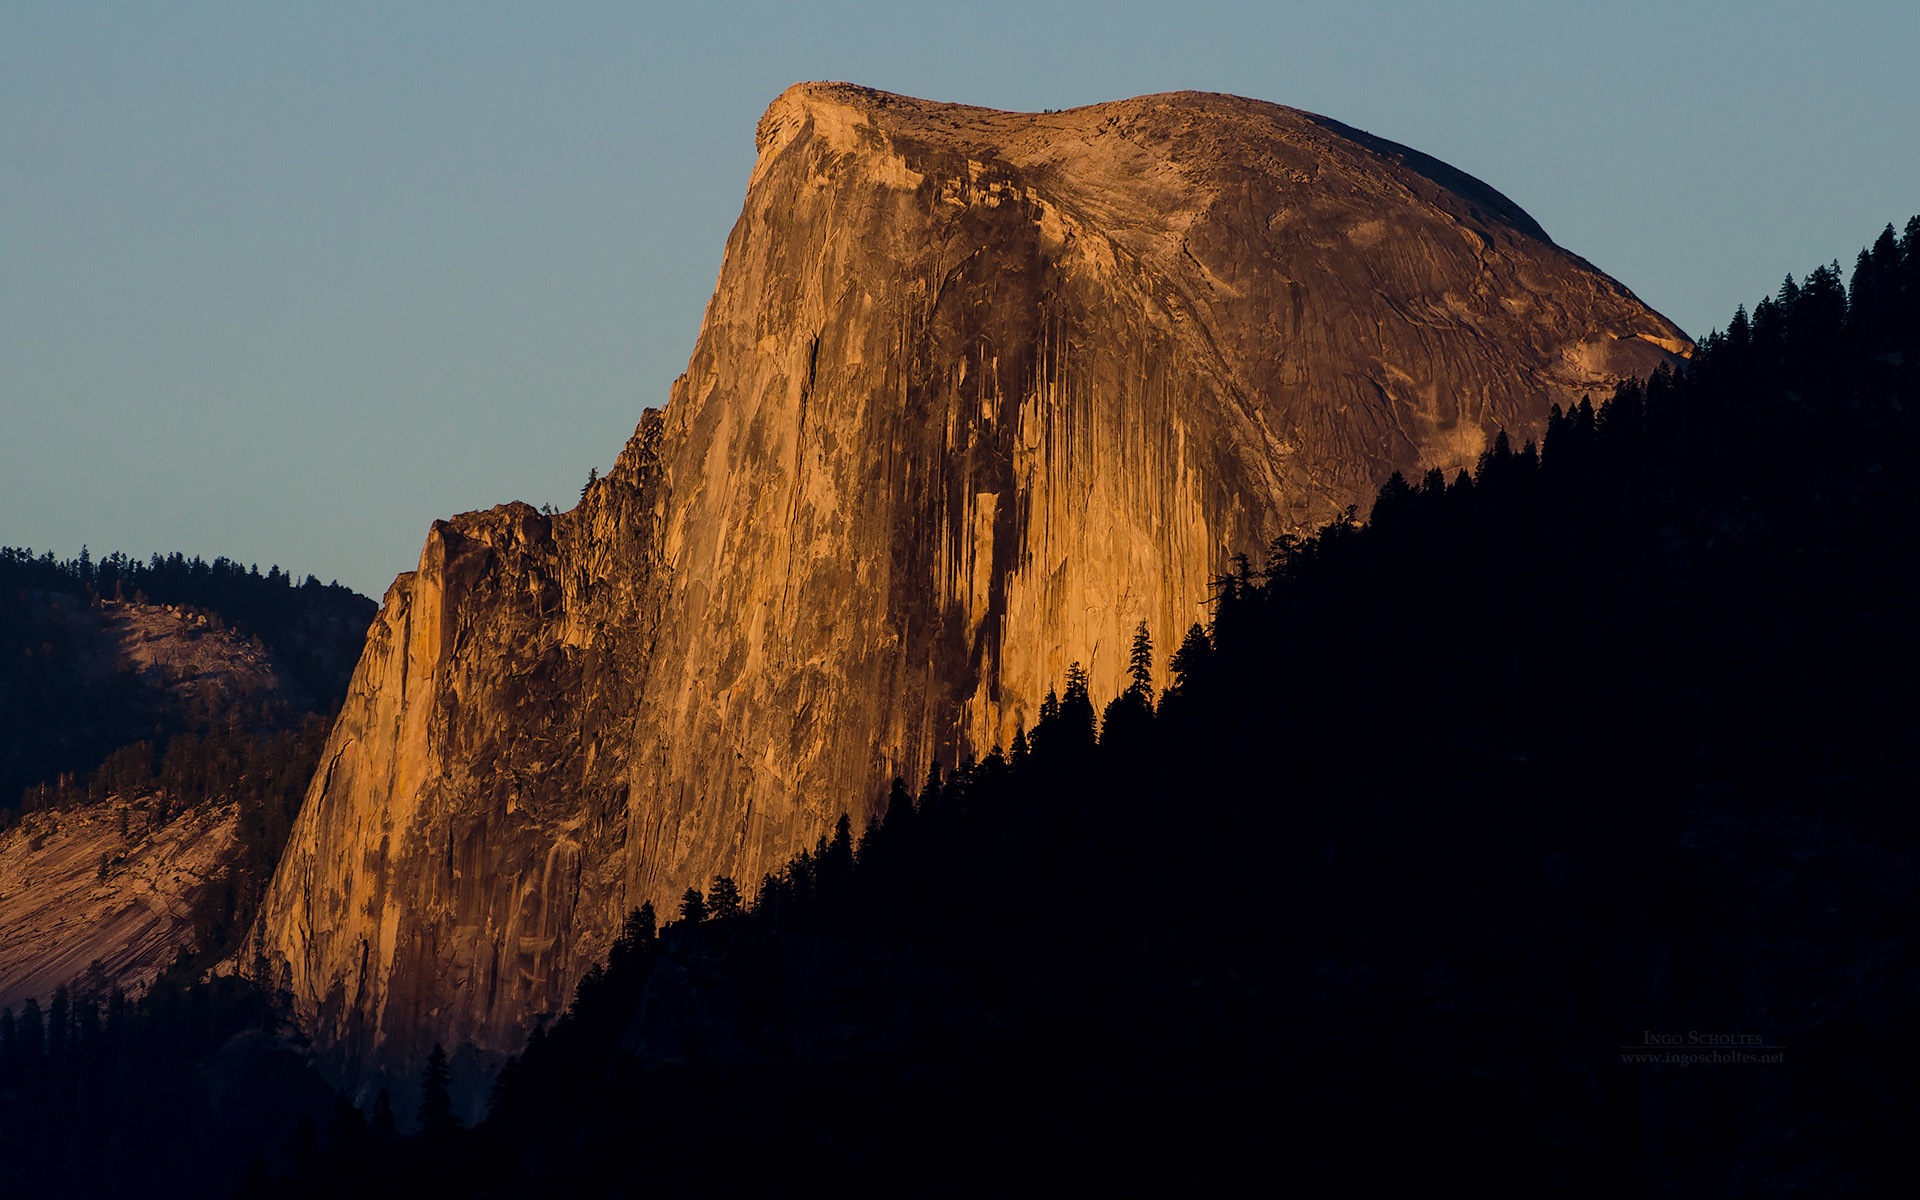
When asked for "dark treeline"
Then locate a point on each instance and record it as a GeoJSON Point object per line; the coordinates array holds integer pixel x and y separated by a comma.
{"type": "Point", "coordinates": [315, 629]}
{"type": "Point", "coordinates": [287, 616]}
{"type": "Point", "coordinates": [1604, 742]}
{"type": "Point", "coordinates": [162, 1095]}
{"type": "Point", "coordinates": [64, 714]}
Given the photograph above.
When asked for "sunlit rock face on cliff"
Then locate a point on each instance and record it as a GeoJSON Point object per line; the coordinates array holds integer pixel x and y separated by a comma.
{"type": "Point", "coordinates": [976, 393]}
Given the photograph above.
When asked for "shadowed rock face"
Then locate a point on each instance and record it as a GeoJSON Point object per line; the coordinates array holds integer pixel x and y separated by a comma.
{"type": "Point", "coordinates": [976, 392]}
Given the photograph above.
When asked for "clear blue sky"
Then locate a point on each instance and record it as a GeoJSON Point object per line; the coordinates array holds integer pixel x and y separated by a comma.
{"type": "Point", "coordinates": [288, 282]}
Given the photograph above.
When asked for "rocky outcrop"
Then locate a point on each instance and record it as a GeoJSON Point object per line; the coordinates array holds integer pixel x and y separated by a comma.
{"type": "Point", "coordinates": [976, 393]}
{"type": "Point", "coordinates": [461, 844]}
{"type": "Point", "coordinates": [102, 895]}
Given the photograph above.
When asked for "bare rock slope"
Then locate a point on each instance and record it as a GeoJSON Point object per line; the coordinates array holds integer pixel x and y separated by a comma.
{"type": "Point", "coordinates": [102, 895]}
{"type": "Point", "coordinates": [976, 392]}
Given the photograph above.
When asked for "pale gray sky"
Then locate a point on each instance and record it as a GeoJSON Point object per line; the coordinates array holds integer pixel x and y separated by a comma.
{"type": "Point", "coordinates": [288, 282]}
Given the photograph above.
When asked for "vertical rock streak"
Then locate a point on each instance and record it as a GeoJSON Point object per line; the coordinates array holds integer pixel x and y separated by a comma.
{"type": "Point", "coordinates": [975, 394]}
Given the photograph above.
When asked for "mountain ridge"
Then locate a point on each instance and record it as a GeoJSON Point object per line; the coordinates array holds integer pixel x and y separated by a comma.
{"type": "Point", "coordinates": [977, 393]}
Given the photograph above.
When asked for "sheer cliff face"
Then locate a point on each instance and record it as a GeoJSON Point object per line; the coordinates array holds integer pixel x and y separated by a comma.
{"type": "Point", "coordinates": [976, 392]}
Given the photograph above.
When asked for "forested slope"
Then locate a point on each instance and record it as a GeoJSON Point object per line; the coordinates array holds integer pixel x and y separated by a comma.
{"type": "Point", "coordinates": [1449, 818]}
{"type": "Point", "coordinates": [159, 722]}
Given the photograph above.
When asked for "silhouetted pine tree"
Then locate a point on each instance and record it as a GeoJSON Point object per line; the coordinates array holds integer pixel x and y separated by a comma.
{"type": "Point", "coordinates": [693, 906]}
{"type": "Point", "coordinates": [436, 1095]}
{"type": "Point", "coordinates": [723, 898]}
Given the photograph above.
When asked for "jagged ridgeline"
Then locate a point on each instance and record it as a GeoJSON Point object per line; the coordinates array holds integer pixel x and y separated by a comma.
{"type": "Point", "coordinates": [1439, 817]}
{"type": "Point", "coordinates": [977, 393]}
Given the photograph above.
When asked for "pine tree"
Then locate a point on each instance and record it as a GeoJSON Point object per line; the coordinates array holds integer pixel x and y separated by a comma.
{"type": "Point", "coordinates": [640, 928]}
{"type": "Point", "coordinates": [930, 789]}
{"type": "Point", "coordinates": [1140, 665]}
{"type": "Point", "coordinates": [436, 1094]}
{"type": "Point", "coordinates": [506, 1087]}
{"type": "Point", "coordinates": [58, 1014]}
{"type": "Point", "coordinates": [1740, 331]}
{"type": "Point", "coordinates": [1390, 502]}
{"type": "Point", "coordinates": [723, 898]}
{"type": "Point", "coordinates": [30, 1033]}
{"type": "Point", "coordinates": [693, 906]}
{"type": "Point", "coordinates": [899, 811]}
{"type": "Point", "coordinates": [1192, 661]}
{"type": "Point", "coordinates": [837, 863]}
{"type": "Point", "coordinates": [1076, 721]}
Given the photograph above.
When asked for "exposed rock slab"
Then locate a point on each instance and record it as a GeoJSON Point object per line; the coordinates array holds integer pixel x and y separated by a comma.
{"type": "Point", "coordinates": [202, 670]}
{"type": "Point", "coordinates": [976, 392]}
{"type": "Point", "coordinates": [64, 921]}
